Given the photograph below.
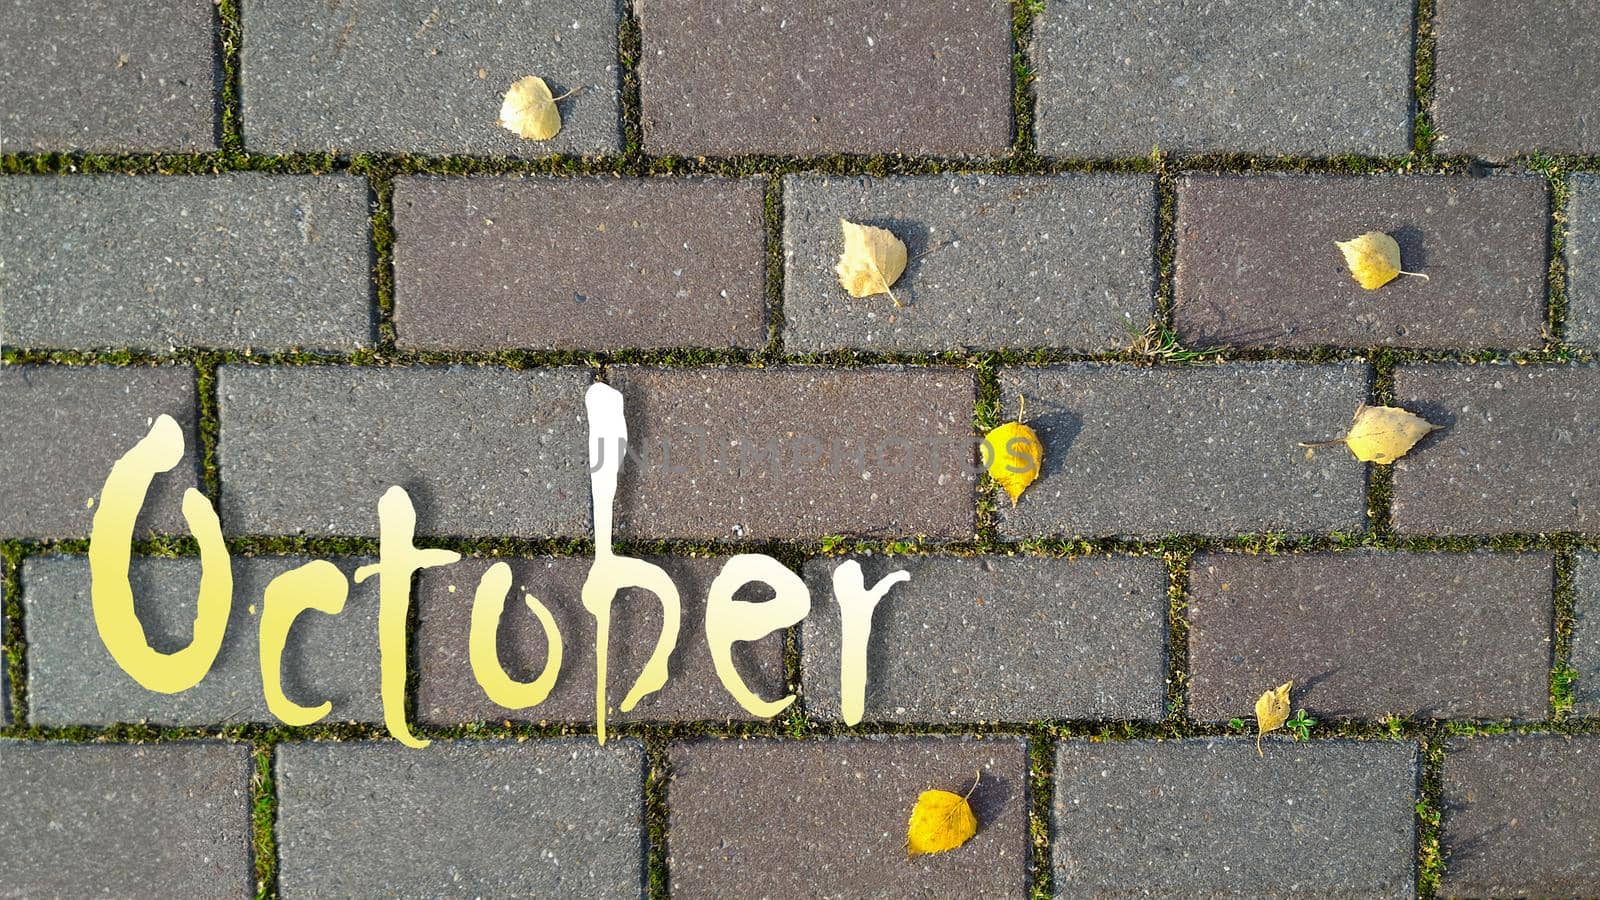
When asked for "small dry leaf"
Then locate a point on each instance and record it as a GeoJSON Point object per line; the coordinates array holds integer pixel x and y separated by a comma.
{"type": "Point", "coordinates": [1374, 259]}
{"type": "Point", "coordinates": [1272, 710]}
{"type": "Point", "coordinates": [1381, 434]}
{"type": "Point", "coordinates": [1015, 455]}
{"type": "Point", "coordinates": [940, 821]}
{"type": "Point", "coordinates": [530, 110]}
{"type": "Point", "coordinates": [873, 259]}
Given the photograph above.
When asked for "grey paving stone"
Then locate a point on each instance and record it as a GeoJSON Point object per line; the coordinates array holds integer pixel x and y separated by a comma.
{"type": "Point", "coordinates": [160, 820]}
{"type": "Point", "coordinates": [109, 77]}
{"type": "Point", "coordinates": [1508, 457]}
{"type": "Point", "coordinates": [1519, 816]}
{"type": "Point", "coordinates": [1586, 635]}
{"type": "Point", "coordinates": [601, 264]}
{"type": "Point", "coordinates": [1583, 262]}
{"type": "Point", "coordinates": [1508, 78]}
{"type": "Point", "coordinates": [1257, 265]}
{"type": "Point", "coordinates": [826, 76]}
{"type": "Point", "coordinates": [1194, 450]}
{"type": "Point", "coordinates": [72, 679]}
{"type": "Point", "coordinates": [1009, 639]}
{"type": "Point", "coordinates": [1369, 634]}
{"type": "Point", "coordinates": [448, 693]}
{"type": "Point", "coordinates": [68, 424]}
{"type": "Point", "coordinates": [550, 818]}
{"type": "Point", "coordinates": [1116, 78]}
{"type": "Point", "coordinates": [797, 452]}
{"type": "Point", "coordinates": [1064, 262]}
{"type": "Point", "coordinates": [413, 76]}
{"type": "Point", "coordinates": [311, 449]}
{"type": "Point", "coordinates": [755, 818]}
{"type": "Point", "coordinates": [1208, 817]}
{"type": "Point", "coordinates": [152, 263]}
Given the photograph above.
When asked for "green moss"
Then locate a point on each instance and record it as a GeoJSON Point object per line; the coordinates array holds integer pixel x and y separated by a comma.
{"type": "Point", "coordinates": [263, 821]}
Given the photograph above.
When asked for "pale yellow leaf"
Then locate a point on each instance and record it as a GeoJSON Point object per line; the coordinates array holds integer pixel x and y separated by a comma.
{"type": "Point", "coordinates": [1272, 710]}
{"type": "Point", "coordinates": [1374, 259]}
{"type": "Point", "coordinates": [940, 821]}
{"type": "Point", "coordinates": [1383, 434]}
{"type": "Point", "coordinates": [873, 259]}
{"type": "Point", "coordinates": [529, 109]}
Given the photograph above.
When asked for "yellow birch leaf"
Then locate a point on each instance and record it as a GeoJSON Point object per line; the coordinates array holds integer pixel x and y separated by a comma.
{"type": "Point", "coordinates": [530, 110]}
{"type": "Point", "coordinates": [1374, 259]}
{"type": "Point", "coordinates": [940, 821]}
{"type": "Point", "coordinates": [1015, 455]}
{"type": "Point", "coordinates": [873, 259]}
{"type": "Point", "coordinates": [1272, 710]}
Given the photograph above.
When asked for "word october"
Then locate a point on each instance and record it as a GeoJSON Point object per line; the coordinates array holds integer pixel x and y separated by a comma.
{"type": "Point", "coordinates": [320, 586]}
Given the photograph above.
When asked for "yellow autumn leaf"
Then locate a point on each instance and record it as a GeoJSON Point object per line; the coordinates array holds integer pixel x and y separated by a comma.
{"type": "Point", "coordinates": [1272, 710]}
{"type": "Point", "coordinates": [940, 821]}
{"type": "Point", "coordinates": [1374, 259]}
{"type": "Point", "coordinates": [530, 110]}
{"type": "Point", "coordinates": [1015, 456]}
{"type": "Point", "coordinates": [873, 259]}
{"type": "Point", "coordinates": [1381, 434]}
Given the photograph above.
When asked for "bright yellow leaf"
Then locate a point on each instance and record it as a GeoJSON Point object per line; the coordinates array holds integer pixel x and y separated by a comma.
{"type": "Point", "coordinates": [1381, 434]}
{"type": "Point", "coordinates": [1374, 259]}
{"type": "Point", "coordinates": [873, 259]}
{"type": "Point", "coordinates": [530, 110]}
{"type": "Point", "coordinates": [1272, 710]}
{"type": "Point", "coordinates": [940, 821]}
{"type": "Point", "coordinates": [1015, 455]}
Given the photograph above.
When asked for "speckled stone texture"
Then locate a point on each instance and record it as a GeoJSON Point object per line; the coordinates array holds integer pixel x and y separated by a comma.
{"type": "Point", "coordinates": [162, 820]}
{"type": "Point", "coordinates": [72, 679]}
{"type": "Point", "coordinates": [1583, 262]}
{"type": "Point", "coordinates": [882, 452]}
{"type": "Point", "coordinates": [414, 76]}
{"type": "Point", "coordinates": [109, 77]}
{"type": "Point", "coordinates": [1257, 265]}
{"type": "Point", "coordinates": [310, 450]}
{"type": "Point", "coordinates": [67, 425]}
{"type": "Point", "coordinates": [547, 818]}
{"type": "Point", "coordinates": [448, 693]}
{"type": "Point", "coordinates": [1208, 817]}
{"type": "Point", "coordinates": [1513, 76]}
{"type": "Point", "coordinates": [1366, 635]}
{"type": "Point", "coordinates": [1586, 635]}
{"type": "Point", "coordinates": [1007, 639]}
{"type": "Point", "coordinates": [234, 261]}
{"type": "Point", "coordinates": [1510, 456]}
{"type": "Point", "coordinates": [1117, 78]}
{"type": "Point", "coordinates": [757, 818]}
{"type": "Point", "coordinates": [1209, 450]}
{"type": "Point", "coordinates": [568, 263]}
{"type": "Point", "coordinates": [1064, 262]}
{"type": "Point", "coordinates": [1519, 816]}
{"type": "Point", "coordinates": [826, 76]}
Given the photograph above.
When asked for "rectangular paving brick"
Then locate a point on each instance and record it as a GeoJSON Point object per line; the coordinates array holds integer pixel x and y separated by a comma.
{"type": "Point", "coordinates": [109, 77]}
{"type": "Point", "coordinates": [1509, 77]}
{"type": "Point", "coordinates": [1010, 639]}
{"type": "Point", "coordinates": [1257, 265]}
{"type": "Point", "coordinates": [1120, 77]}
{"type": "Point", "coordinates": [72, 679]}
{"type": "Point", "coordinates": [1208, 450]}
{"type": "Point", "coordinates": [601, 264]}
{"type": "Point", "coordinates": [1063, 261]}
{"type": "Point", "coordinates": [755, 818]}
{"type": "Point", "coordinates": [159, 820]}
{"type": "Point", "coordinates": [448, 693]}
{"type": "Point", "coordinates": [1519, 816]}
{"type": "Point", "coordinates": [1370, 634]}
{"type": "Point", "coordinates": [68, 424]}
{"type": "Point", "coordinates": [230, 261]}
{"type": "Point", "coordinates": [548, 818]}
{"type": "Point", "coordinates": [826, 76]}
{"type": "Point", "coordinates": [311, 449]}
{"type": "Point", "coordinates": [1510, 454]}
{"type": "Point", "coordinates": [1208, 817]}
{"type": "Point", "coordinates": [414, 76]}
{"type": "Point", "coordinates": [798, 452]}
{"type": "Point", "coordinates": [1583, 262]}
{"type": "Point", "coordinates": [1585, 648]}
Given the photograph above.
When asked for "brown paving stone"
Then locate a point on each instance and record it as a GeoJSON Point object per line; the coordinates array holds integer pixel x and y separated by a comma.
{"type": "Point", "coordinates": [68, 424]}
{"type": "Point", "coordinates": [756, 818]}
{"type": "Point", "coordinates": [882, 451]}
{"type": "Point", "coordinates": [1511, 456]}
{"type": "Point", "coordinates": [1520, 818]}
{"type": "Point", "coordinates": [826, 76]}
{"type": "Point", "coordinates": [447, 692]}
{"type": "Point", "coordinates": [579, 263]}
{"type": "Point", "coordinates": [1368, 634]}
{"type": "Point", "coordinates": [1257, 265]}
